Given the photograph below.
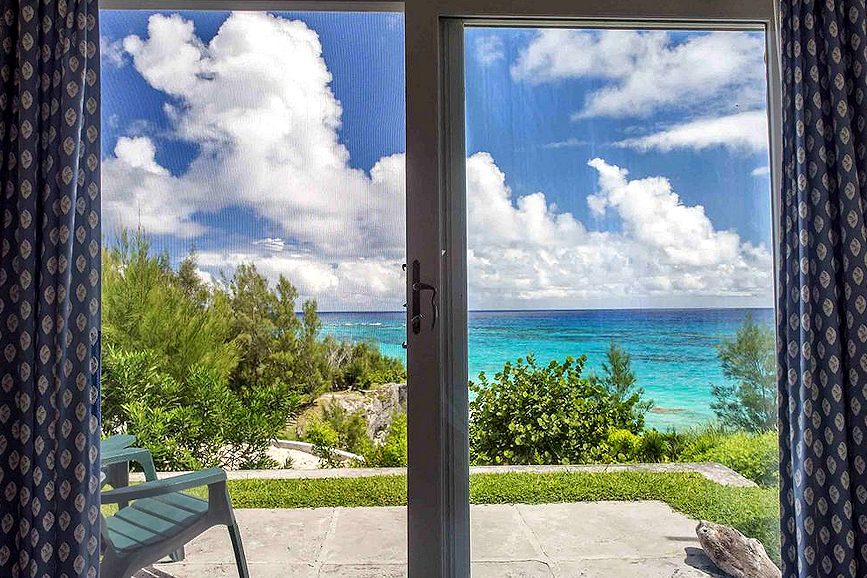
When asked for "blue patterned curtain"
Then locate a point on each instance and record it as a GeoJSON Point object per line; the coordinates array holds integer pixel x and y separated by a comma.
{"type": "Point", "coordinates": [823, 290]}
{"type": "Point", "coordinates": [49, 288]}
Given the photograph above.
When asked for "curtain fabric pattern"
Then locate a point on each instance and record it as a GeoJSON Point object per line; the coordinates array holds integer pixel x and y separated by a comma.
{"type": "Point", "coordinates": [49, 288]}
{"type": "Point", "coordinates": [823, 290]}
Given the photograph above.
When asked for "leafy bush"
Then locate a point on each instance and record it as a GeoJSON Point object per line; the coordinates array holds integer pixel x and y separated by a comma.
{"type": "Point", "coordinates": [755, 456]}
{"type": "Point", "coordinates": [653, 447]}
{"type": "Point", "coordinates": [324, 440]}
{"type": "Point", "coordinates": [623, 445]}
{"type": "Point", "coordinates": [392, 453]}
{"type": "Point", "coordinates": [194, 422]}
{"type": "Point", "coordinates": [541, 415]}
{"type": "Point", "coordinates": [339, 429]}
{"type": "Point", "coordinates": [650, 446]}
{"type": "Point", "coordinates": [351, 428]}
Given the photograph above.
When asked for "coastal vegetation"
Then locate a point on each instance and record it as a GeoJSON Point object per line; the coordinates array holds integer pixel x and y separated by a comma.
{"type": "Point", "coordinates": [749, 400]}
{"type": "Point", "coordinates": [207, 374]}
{"type": "Point", "coordinates": [211, 373]}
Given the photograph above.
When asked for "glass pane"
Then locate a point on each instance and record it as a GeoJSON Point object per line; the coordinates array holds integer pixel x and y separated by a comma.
{"type": "Point", "coordinates": [621, 294]}
{"type": "Point", "coordinates": [253, 199]}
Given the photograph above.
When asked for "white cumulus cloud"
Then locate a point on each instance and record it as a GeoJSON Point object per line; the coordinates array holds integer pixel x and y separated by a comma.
{"type": "Point", "coordinates": [257, 102]}
{"type": "Point", "coordinates": [643, 72]}
{"type": "Point", "coordinates": [523, 251]}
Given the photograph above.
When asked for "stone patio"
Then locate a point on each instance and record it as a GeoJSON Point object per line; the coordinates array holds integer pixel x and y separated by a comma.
{"type": "Point", "coordinates": [594, 539]}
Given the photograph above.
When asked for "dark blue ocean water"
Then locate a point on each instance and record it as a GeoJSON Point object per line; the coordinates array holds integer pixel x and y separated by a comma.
{"type": "Point", "coordinates": [673, 350]}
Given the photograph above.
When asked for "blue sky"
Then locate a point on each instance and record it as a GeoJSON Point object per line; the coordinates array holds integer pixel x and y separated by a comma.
{"type": "Point", "coordinates": [278, 139]}
{"type": "Point", "coordinates": [520, 124]}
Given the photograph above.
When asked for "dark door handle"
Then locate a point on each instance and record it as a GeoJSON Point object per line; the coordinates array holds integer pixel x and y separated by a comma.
{"type": "Point", "coordinates": [417, 287]}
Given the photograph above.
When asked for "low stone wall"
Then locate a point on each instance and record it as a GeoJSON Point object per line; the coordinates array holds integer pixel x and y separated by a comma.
{"type": "Point", "coordinates": [714, 472]}
{"type": "Point", "coordinates": [307, 448]}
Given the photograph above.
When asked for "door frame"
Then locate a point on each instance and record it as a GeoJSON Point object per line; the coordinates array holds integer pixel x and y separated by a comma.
{"type": "Point", "coordinates": [438, 404]}
{"type": "Point", "coordinates": [436, 185]}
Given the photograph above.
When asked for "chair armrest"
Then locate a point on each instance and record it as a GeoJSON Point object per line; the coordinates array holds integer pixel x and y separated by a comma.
{"type": "Point", "coordinates": [121, 455]}
{"type": "Point", "coordinates": [125, 455]}
{"type": "Point", "coordinates": [165, 486]}
{"type": "Point", "coordinates": [117, 441]}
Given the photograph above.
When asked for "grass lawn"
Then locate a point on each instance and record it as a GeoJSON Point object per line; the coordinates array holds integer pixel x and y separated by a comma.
{"type": "Point", "coordinates": [754, 511]}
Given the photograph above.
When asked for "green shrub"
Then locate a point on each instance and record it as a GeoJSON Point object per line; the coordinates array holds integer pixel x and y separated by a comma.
{"type": "Point", "coordinates": [361, 365]}
{"type": "Point", "coordinates": [392, 453]}
{"type": "Point", "coordinates": [324, 440]}
{"type": "Point", "coordinates": [531, 414]}
{"type": "Point", "coordinates": [653, 447]}
{"type": "Point", "coordinates": [623, 445]}
{"type": "Point", "coordinates": [351, 428]}
{"type": "Point", "coordinates": [677, 443]}
{"type": "Point", "coordinates": [755, 456]}
{"type": "Point", "coordinates": [194, 422]}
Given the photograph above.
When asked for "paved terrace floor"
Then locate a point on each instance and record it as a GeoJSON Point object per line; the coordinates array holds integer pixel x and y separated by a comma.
{"type": "Point", "coordinates": [593, 539]}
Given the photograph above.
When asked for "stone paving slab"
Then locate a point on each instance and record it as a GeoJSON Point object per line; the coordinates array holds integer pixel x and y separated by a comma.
{"type": "Point", "coordinates": [588, 540]}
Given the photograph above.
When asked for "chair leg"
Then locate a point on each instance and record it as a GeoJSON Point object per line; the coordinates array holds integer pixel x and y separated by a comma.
{"type": "Point", "coordinates": [238, 547]}
{"type": "Point", "coordinates": [178, 555]}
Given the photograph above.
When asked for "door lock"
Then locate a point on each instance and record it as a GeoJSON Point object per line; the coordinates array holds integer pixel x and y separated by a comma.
{"type": "Point", "coordinates": [417, 287]}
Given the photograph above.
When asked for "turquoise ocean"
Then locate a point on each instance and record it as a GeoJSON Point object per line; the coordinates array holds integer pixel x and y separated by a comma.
{"type": "Point", "coordinates": [673, 350]}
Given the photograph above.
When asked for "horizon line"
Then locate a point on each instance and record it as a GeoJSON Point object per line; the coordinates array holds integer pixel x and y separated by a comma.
{"type": "Point", "coordinates": [554, 310]}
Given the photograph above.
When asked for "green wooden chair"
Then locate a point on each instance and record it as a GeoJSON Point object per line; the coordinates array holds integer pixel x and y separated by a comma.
{"type": "Point", "coordinates": [160, 519]}
{"type": "Point", "coordinates": [116, 455]}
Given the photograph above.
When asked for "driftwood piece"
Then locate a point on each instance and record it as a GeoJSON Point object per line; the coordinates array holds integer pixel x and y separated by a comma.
{"type": "Point", "coordinates": [734, 553]}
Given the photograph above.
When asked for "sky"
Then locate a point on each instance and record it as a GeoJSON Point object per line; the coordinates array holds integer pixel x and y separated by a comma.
{"type": "Point", "coordinates": [605, 169]}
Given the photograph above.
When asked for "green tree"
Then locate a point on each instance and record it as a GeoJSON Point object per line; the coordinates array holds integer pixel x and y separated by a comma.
{"type": "Point", "coordinates": [531, 414]}
{"type": "Point", "coordinates": [275, 344]}
{"type": "Point", "coordinates": [619, 379]}
{"type": "Point", "coordinates": [362, 365]}
{"type": "Point", "coordinates": [252, 305]}
{"type": "Point", "coordinates": [190, 281]}
{"type": "Point", "coordinates": [316, 373]}
{"type": "Point", "coordinates": [749, 400]}
{"type": "Point", "coordinates": [145, 306]}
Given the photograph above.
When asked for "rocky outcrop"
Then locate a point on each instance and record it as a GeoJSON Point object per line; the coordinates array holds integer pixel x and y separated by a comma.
{"type": "Point", "coordinates": [379, 405]}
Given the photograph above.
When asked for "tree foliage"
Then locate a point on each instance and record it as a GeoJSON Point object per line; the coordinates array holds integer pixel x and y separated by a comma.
{"type": "Point", "coordinates": [532, 414]}
{"type": "Point", "coordinates": [619, 380]}
{"type": "Point", "coordinates": [208, 374]}
{"type": "Point", "coordinates": [749, 400]}
{"type": "Point", "coordinates": [146, 307]}
{"type": "Point", "coordinates": [191, 422]}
